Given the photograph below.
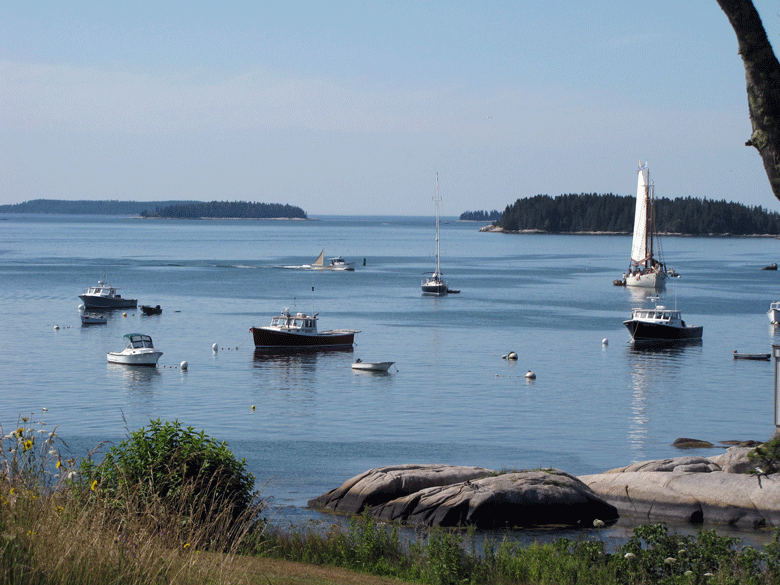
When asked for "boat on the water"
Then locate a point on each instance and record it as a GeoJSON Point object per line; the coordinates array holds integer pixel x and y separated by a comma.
{"type": "Point", "coordinates": [93, 319]}
{"type": "Point", "coordinates": [752, 356]}
{"type": "Point", "coordinates": [774, 313]}
{"type": "Point", "coordinates": [660, 324]}
{"type": "Point", "coordinates": [104, 296]}
{"type": "Point", "coordinates": [372, 366]}
{"type": "Point", "coordinates": [645, 270]}
{"type": "Point", "coordinates": [149, 310]}
{"type": "Point", "coordinates": [299, 330]}
{"type": "Point", "coordinates": [435, 283]}
{"type": "Point", "coordinates": [336, 263]}
{"type": "Point", "coordinates": [139, 351]}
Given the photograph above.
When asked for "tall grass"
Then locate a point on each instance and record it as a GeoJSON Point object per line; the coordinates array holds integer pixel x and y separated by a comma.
{"type": "Point", "coordinates": [57, 527]}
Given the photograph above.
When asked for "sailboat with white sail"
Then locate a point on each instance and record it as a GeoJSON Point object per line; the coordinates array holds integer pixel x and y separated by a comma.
{"type": "Point", "coordinates": [435, 284]}
{"type": "Point", "coordinates": [646, 269]}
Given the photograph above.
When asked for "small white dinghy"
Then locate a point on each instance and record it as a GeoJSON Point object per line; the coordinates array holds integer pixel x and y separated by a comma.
{"type": "Point", "coordinates": [372, 366]}
{"type": "Point", "coordinates": [93, 319]}
{"type": "Point", "coordinates": [140, 351]}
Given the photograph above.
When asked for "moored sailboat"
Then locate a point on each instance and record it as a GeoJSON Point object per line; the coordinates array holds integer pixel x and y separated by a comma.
{"type": "Point", "coordinates": [645, 270]}
{"type": "Point", "coordinates": [435, 284]}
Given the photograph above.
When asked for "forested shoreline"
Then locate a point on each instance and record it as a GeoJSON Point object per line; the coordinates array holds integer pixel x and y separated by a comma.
{"type": "Point", "coordinates": [162, 209]}
{"type": "Point", "coordinates": [227, 209]}
{"type": "Point", "coordinates": [590, 212]}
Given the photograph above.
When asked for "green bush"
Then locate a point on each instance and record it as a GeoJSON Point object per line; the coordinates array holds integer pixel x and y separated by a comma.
{"type": "Point", "coordinates": [766, 457]}
{"type": "Point", "coordinates": [167, 466]}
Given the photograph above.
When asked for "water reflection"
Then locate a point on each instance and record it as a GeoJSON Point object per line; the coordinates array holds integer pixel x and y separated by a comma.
{"type": "Point", "coordinates": [306, 357]}
{"type": "Point", "coordinates": [652, 365]}
{"type": "Point", "coordinates": [135, 379]}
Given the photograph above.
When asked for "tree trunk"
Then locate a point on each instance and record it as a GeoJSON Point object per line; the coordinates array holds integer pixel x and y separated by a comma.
{"type": "Point", "coordinates": [762, 73]}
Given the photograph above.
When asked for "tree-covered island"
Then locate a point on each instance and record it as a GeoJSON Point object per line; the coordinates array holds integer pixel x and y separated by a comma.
{"type": "Point", "coordinates": [591, 212]}
{"type": "Point", "coordinates": [162, 209]}
{"type": "Point", "coordinates": [228, 210]}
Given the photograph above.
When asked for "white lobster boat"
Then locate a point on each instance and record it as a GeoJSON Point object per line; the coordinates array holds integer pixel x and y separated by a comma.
{"type": "Point", "coordinates": [140, 351]}
{"type": "Point", "coordinates": [372, 366]}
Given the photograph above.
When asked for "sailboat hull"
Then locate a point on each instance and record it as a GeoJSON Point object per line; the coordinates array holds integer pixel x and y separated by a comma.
{"type": "Point", "coordinates": [653, 280]}
{"type": "Point", "coordinates": [438, 288]}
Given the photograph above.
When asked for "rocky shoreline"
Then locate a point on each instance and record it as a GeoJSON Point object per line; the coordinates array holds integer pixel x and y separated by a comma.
{"type": "Point", "coordinates": [719, 490]}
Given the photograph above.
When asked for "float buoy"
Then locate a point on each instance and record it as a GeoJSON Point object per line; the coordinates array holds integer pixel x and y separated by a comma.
{"type": "Point", "coordinates": [530, 375]}
{"type": "Point", "coordinates": [215, 348]}
{"type": "Point", "coordinates": [56, 327]}
{"type": "Point", "coordinates": [512, 355]}
{"type": "Point", "coordinates": [184, 365]}
{"type": "Point", "coordinates": [605, 341]}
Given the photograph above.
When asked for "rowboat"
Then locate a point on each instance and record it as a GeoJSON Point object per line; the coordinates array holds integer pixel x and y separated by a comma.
{"type": "Point", "coordinates": [372, 366]}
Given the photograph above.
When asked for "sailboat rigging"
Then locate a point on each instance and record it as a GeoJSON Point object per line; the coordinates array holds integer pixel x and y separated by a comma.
{"type": "Point", "coordinates": [435, 284]}
{"type": "Point", "coordinates": [645, 270]}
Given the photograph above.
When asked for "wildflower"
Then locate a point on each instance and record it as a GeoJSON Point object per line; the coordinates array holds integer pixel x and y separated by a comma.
{"type": "Point", "coordinates": [670, 561]}
{"type": "Point", "coordinates": [629, 555]}
{"type": "Point", "coordinates": [688, 573]}
{"type": "Point", "coordinates": [186, 545]}
{"type": "Point", "coordinates": [25, 418]}
{"type": "Point", "coordinates": [28, 444]}
{"type": "Point", "coordinates": [71, 474]}
{"type": "Point", "coordinates": [681, 552]}
{"type": "Point", "coordinates": [93, 486]}
{"type": "Point", "coordinates": [60, 508]}
{"type": "Point", "coordinates": [598, 523]}
{"type": "Point", "coordinates": [59, 463]}
{"type": "Point", "coordinates": [11, 491]}
{"type": "Point", "coordinates": [708, 575]}
{"type": "Point", "coordinates": [19, 431]}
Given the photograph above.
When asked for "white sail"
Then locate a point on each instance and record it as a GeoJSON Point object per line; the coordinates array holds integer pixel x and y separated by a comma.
{"type": "Point", "coordinates": [320, 261]}
{"type": "Point", "coordinates": [639, 252]}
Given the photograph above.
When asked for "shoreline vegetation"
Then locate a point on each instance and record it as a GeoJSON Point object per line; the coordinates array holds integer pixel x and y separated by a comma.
{"type": "Point", "coordinates": [171, 505]}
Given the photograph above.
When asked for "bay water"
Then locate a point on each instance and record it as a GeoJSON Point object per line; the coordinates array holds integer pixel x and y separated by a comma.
{"type": "Point", "coordinates": [451, 398]}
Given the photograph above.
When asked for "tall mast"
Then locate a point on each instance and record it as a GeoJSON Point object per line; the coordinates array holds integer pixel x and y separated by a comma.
{"type": "Point", "coordinates": [437, 199]}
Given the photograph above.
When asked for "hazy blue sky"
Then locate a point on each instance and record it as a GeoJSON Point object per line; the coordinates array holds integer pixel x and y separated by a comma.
{"type": "Point", "coordinates": [352, 107]}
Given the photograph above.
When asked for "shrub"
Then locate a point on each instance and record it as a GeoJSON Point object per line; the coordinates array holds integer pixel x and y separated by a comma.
{"type": "Point", "coordinates": [167, 469]}
{"type": "Point", "coordinates": [766, 456]}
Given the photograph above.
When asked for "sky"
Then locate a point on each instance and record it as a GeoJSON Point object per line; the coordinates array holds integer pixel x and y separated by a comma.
{"type": "Point", "coordinates": [353, 107]}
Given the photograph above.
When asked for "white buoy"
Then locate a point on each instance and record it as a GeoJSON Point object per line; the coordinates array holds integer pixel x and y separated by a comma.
{"type": "Point", "coordinates": [503, 357]}
{"type": "Point", "coordinates": [512, 355]}
{"type": "Point", "coordinates": [253, 407]}
{"type": "Point", "coordinates": [56, 327]}
{"type": "Point", "coordinates": [530, 375]}
{"type": "Point", "coordinates": [215, 348]}
{"type": "Point", "coordinates": [124, 314]}
{"type": "Point", "coordinates": [184, 365]}
{"type": "Point", "coordinates": [605, 341]}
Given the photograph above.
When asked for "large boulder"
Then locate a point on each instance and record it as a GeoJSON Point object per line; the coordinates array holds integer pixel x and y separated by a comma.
{"type": "Point", "coordinates": [734, 460]}
{"type": "Point", "coordinates": [528, 498]}
{"type": "Point", "coordinates": [727, 498]}
{"type": "Point", "coordinates": [692, 464]}
{"type": "Point", "coordinates": [382, 484]}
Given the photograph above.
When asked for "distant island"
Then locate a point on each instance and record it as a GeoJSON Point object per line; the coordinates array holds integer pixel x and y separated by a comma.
{"type": "Point", "coordinates": [494, 215]}
{"type": "Point", "coordinates": [591, 212]}
{"type": "Point", "coordinates": [227, 210]}
{"type": "Point", "coordinates": [163, 209]}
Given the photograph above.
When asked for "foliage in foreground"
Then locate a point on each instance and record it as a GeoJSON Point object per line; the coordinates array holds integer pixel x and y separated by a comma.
{"type": "Point", "coordinates": [439, 557]}
{"type": "Point", "coordinates": [59, 526]}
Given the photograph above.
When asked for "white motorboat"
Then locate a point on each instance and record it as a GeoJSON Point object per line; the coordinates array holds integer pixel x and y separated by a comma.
{"type": "Point", "coordinates": [372, 366]}
{"type": "Point", "coordinates": [140, 351]}
{"type": "Point", "coordinates": [93, 319]}
{"type": "Point", "coordinates": [644, 269]}
{"type": "Point", "coordinates": [774, 313]}
{"type": "Point", "coordinates": [435, 284]}
{"type": "Point", "coordinates": [104, 296]}
{"type": "Point", "coordinates": [660, 324]}
{"type": "Point", "coordinates": [299, 331]}
{"type": "Point", "coordinates": [336, 263]}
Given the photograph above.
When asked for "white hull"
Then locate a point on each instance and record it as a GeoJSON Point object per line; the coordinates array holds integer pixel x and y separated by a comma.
{"type": "Point", "coordinates": [774, 313]}
{"type": "Point", "coordinates": [135, 357]}
{"type": "Point", "coordinates": [372, 366]}
{"type": "Point", "coordinates": [654, 280]}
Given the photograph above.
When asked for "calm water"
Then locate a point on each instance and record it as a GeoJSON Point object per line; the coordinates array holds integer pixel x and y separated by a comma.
{"type": "Point", "coordinates": [452, 399]}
